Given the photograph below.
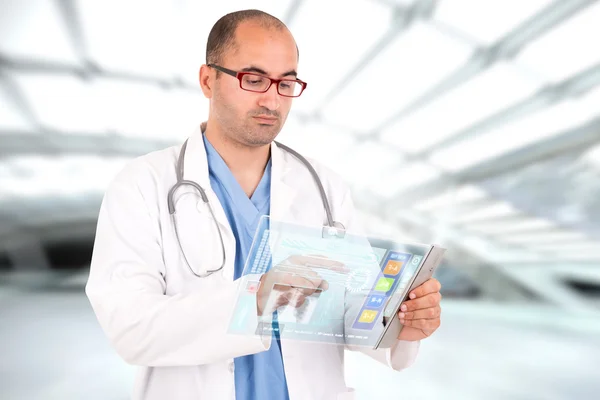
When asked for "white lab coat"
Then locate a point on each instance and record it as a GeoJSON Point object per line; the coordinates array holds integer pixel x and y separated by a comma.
{"type": "Point", "coordinates": [157, 315]}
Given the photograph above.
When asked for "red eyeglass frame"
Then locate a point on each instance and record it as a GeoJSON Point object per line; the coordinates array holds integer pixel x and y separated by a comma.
{"type": "Point", "coordinates": [240, 75]}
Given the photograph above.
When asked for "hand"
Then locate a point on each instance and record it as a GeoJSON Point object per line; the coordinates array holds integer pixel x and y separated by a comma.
{"type": "Point", "coordinates": [421, 315]}
{"type": "Point", "coordinates": [292, 281]}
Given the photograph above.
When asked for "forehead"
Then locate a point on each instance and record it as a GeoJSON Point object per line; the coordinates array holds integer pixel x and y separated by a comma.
{"type": "Point", "coordinates": [272, 49]}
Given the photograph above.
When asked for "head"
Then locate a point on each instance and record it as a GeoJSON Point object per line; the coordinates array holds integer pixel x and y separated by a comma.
{"type": "Point", "coordinates": [248, 41]}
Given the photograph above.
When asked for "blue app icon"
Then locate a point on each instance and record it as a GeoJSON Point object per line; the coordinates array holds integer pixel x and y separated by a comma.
{"type": "Point", "coordinates": [375, 301]}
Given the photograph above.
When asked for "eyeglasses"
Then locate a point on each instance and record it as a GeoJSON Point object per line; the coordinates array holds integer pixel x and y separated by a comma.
{"type": "Point", "coordinates": [260, 84]}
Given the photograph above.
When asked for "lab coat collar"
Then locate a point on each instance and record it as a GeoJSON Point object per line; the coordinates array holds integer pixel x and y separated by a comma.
{"type": "Point", "coordinates": [279, 162]}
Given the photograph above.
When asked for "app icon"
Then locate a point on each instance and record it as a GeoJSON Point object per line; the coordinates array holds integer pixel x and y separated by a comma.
{"type": "Point", "coordinates": [393, 267]}
{"type": "Point", "coordinates": [384, 284]}
{"type": "Point", "coordinates": [375, 301]}
{"type": "Point", "coordinates": [367, 316]}
{"type": "Point", "coordinates": [252, 286]}
{"type": "Point", "coordinates": [398, 256]}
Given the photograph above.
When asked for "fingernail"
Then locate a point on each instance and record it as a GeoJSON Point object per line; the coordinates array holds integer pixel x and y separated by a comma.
{"type": "Point", "coordinates": [402, 321]}
{"type": "Point", "coordinates": [401, 315]}
{"type": "Point", "coordinates": [412, 295]}
{"type": "Point", "coordinates": [403, 308]}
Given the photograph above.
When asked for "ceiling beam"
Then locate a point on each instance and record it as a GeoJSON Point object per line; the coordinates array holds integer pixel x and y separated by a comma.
{"type": "Point", "coordinates": [505, 48]}
{"type": "Point", "coordinates": [548, 96]}
{"type": "Point", "coordinates": [16, 143]}
{"type": "Point", "coordinates": [403, 18]}
{"type": "Point", "coordinates": [17, 98]}
{"type": "Point", "coordinates": [89, 71]}
{"type": "Point", "coordinates": [577, 139]}
{"type": "Point", "coordinates": [69, 13]}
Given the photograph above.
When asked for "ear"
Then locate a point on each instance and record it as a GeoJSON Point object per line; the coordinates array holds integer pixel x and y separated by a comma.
{"type": "Point", "coordinates": [206, 79]}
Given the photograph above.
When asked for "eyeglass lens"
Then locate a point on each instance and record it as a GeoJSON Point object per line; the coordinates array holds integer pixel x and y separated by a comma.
{"type": "Point", "coordinates": [258, 83]}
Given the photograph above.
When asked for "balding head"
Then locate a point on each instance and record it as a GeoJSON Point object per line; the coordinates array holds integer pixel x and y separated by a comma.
{"type": "Point", "coordinates": [221, 38]}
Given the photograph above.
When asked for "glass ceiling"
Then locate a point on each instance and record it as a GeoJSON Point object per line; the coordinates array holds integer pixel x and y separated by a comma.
{"type": "Point", "coordinates": [481, 118]}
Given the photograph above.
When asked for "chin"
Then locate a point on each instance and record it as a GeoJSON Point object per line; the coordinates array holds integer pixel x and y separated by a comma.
{"type": "Point", "coordinates": [264, 135]}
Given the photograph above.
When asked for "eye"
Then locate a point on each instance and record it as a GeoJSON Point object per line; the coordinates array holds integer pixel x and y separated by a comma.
{"type": "Point", "coordinates": [254, 80]}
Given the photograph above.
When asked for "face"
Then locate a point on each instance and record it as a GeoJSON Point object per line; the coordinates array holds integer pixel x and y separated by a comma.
{"type": "Point", "coordinates": [249, 118]}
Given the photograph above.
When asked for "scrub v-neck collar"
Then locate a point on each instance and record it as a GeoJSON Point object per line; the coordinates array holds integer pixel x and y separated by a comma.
{"type": "Point", "coordinates": [250, 208]}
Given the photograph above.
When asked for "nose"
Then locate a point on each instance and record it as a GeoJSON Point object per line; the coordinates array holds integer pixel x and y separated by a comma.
{"type": "Point", "coordinates": [270, 99]}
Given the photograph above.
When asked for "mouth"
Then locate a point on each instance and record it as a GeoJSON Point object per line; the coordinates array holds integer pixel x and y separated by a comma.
{"type": "Point", "coordinates": [263, 119]}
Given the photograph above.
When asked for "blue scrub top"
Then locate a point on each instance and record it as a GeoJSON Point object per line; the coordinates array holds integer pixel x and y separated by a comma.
{"type": "Point", "coordinates": [257, 376]}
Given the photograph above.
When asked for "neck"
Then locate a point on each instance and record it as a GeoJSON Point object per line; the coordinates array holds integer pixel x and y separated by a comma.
{"type": "Point", "coordinates": [246, 163]}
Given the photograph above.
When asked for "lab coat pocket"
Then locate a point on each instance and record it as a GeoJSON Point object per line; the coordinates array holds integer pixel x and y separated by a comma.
{"type": "Point", "coordinates": [349, 394]}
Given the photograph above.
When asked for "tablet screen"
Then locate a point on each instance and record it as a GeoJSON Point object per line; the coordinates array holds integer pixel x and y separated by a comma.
{"type": "Point", "coordinates": [351, 310]}
{"type": "Point", "coordinates": [397, 269]}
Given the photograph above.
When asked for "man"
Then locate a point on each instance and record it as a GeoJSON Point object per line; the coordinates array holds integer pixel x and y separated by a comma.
{"type": "Point", "coordinates": [164, 273]}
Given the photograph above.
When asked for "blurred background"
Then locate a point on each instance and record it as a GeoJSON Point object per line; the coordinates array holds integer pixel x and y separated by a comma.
{"type": "Point", "coordinates": [473, 124]}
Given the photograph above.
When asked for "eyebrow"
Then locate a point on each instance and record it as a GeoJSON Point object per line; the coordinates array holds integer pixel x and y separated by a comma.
{"type": "Point", "coordinates": [263, 72]}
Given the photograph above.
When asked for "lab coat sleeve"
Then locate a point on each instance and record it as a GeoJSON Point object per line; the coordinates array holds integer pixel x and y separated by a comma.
{"type": "Point", "coordinates": [404, 353]}
{"type": "Point", "coordinates": [126, 289]}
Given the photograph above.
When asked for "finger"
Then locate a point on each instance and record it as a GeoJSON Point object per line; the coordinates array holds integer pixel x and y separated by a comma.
{"type": "Point", "coordinates": [296, 297]}
{"type": "Point", "coordinates": [430, 286]}
{"type": "Point", "coordinates": [317, 261]}
{"type": "Point", "coordinates": [277, 298]}
{"type": "Point", "coordinates": [302, 291]}
{"type": "Point", "coordinates": [427, 313]}
{"type": "Point", "coordinates": [290, 271]}
{"type": "Point", "coordinates": [425, 324]}
{"type": "Point", "coordinates": [282, 299]}
{"type": "Point", "coordinates": [299, 301]}
{"type": "Point", "coordinates": [304, 285]}
{"type": "Point", "coordinates": [324, 285]}
{"type": "Point", "coordinates": [295, 268]}
{"type": "Point", "coordinates": [297, 277]}
{"type": "Point", "coordinates": [326, 263]}
{"type": "Point", "coordinates": [429, 301]}
{"type": "Point", "coordinates": [286, 294]}
{"type": "Point", "coordinates": [309, 291]}
{"type": "Point", "coordinates": [308, 285]}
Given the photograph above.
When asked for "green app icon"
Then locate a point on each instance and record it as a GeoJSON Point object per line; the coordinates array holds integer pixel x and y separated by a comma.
{"type": "Point", "coordinates": [384, 284]}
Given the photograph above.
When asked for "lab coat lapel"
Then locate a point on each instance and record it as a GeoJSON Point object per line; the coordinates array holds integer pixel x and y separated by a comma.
{"type": "Point", "coordinates": [196, 164]}
{"type": "Point", "coordinates": [196, 170]}
{"type": "Point", "coordinates": [282, 192]}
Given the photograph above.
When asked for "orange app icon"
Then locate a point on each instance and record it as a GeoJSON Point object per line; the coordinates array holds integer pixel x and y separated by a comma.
{"type": "Point", "coordinates": [393, 267]}
{"type": "Point", "coordinates": [367, 316]}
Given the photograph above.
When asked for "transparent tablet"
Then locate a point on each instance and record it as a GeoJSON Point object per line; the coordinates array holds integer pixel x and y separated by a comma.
{"type": "Point", "coordinates": [362, 287]}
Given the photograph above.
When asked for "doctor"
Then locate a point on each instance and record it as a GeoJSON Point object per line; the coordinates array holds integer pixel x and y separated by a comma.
{"type": "Point", "coordinates": [162, 284]}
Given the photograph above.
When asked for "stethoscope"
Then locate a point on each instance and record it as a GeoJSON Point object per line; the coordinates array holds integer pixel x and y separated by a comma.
{"type": "Point", "coordinates": [332, 229]}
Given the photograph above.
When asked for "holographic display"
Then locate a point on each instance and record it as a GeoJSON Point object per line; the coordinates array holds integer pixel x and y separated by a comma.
{"type": "Point", "coordinates": [362, 274]}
